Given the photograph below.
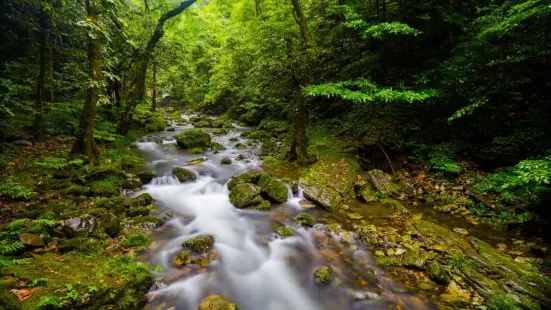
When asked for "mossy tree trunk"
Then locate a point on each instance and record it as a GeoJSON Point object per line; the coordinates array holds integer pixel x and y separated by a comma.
{"type": "Point", "coordinates": [154, 88]}
{"type": "Point", "coordinates": [299, 146]}
{"type": "Point", "coordinates": [84, 143]}
{"type": "Point", "coordinates": [39, 104]}
{"type": "Point", "coordinates": [137, 93]}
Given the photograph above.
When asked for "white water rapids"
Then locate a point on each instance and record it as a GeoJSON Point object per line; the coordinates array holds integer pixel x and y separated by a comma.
{"type": "Point", "coordinates": [254, 269]}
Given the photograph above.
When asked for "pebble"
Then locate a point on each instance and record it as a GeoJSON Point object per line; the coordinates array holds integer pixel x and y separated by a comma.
{"type": "Point", "coordinates": [379, 253]}
{"type": "Point", "coordinates": [461, 231]}
{"type": "Point", "coordinates": [399, 252]}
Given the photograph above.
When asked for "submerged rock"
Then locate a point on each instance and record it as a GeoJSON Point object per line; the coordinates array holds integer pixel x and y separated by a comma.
{"type": "Point", "coordinates": [216, 302]}
{"type": "Point", "coordinates": [245, 195]}
{"type": "Point", "coordinates": [304, 220]}
{"type": "Point", "coordinates": [193, 138]}
{"type": "Point", "coordinates": [284, 231]}
{"type": "Point", "coordinates": [323, 274]}
{"type": "Point", "coordinates": [183, 174]}
{"type": "Point", "coordinates": [182, 258]}
{"type": "Point", "coordinates": [226, 161]}
{"type": "Point", "coordinates": [265, 205]}
{"type": "Point", "coordinates": [200, 244]}
{"type": "Point", "coordinates": [275, 190]}
{"type": "Point", "coordinates": [217, 147]}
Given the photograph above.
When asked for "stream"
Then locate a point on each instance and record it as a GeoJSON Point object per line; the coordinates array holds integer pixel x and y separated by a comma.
{"type": "Point", "coordinates": [253, 267]}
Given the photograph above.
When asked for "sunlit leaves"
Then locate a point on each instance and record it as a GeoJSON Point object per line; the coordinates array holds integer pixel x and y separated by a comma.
{"type": "Point", "coordinates": [363, 91]}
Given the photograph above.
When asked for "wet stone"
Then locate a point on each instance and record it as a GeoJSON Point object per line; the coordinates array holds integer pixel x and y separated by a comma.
{"type": "Point", "coordinates": [461, 231]}
{"type": "Point", "coordinates": [323, 274]}
{"type": "Point", "coordinates": [32, 240]}
{"type": "Point", "coordinates": [200, 244]}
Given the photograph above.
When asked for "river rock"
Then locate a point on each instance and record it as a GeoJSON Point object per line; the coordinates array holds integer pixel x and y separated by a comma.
{"type": "Point", "coordinates": [284, 231]}
{"type": "Point", "coordinates": [193, 138]}
{"type": "Point", "coordinates": [79, 224]}
{"type": "Point", "coordinates": [438, 273]}
{"type": "Point", "coordinates": [200, 244]}
{"type": "Point", "coordinates": [183, 174]}
{"type": "Point", "coordinates": [110, 224]}
{"type": "Point", "coordinates": [461, 231]}
{"type": "Point", "coordinates": [245, 195]}
{"type": "Point", "coordinates": [275, 190]}
{"type": "Point", "coordinates": [367, 194]}
{"type": "Point", "coordinates": [323, 196]}
{"type": "Point", "coordinates": [32, 240]}
{"type": "Point", "coordinates": [226, 161]}
{"type": "Point", "coordinates": [323, 274]}
{"type": "Point", "coordinates": [382, 182]}
{"type": "Point", "coordinates": [242, 178]}
{"type": "Point", "coordinates": [304, 220]}
{"type": "Point", "coordinates": [217, 147]}
{"type": "Point", "coordinates": [216, 302]}
{"type": "Point", "coordinates": [182, 258]}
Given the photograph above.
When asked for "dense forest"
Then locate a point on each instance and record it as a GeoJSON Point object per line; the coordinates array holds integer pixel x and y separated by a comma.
{"type": "Point", "coordinates": [415, 132]}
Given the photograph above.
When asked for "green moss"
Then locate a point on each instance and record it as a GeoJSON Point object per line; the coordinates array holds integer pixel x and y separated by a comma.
{"type": "Point", "coordinates": [140, 201]}
{"type": "Point", "coordinates": [201, 124]}
{"type": "Point", "coordinates": [183, 174]}
{"type": "Point", "coordinates": [216, 302]}
{"type": "Point", "coordinates": [200, 244]}
{"type": "Point", "coordinates": [337, 173]}
{"type": "Point", "coordinates": [193, 138]}
{"type": "Point", "coordinates": [242, 178]}
{"type": "Point", "coordinates": [387, 261]}
{"type": "Point", "coordinates": [217, 147]}
{"type": "Point", "coordinates": [265, 205]}
{"type": "Point", "coordinates": [272, 188]}
{"type": "Point", "coordinates": [271, 161]}
{"type": "Point", "coordinates": [304, 220]}
{"type": "Point", "coordinates": [105, 191]}
{"type": "Point", "coordinates": [438, 273]}
{"type": "Point", "coordinates": [323, 274]}
{"type": "Point", "coordinates": [244, 195]}
{"type": "Point", "coordinates": [240, 146]}
{"type": "Point", "coordinates": [197, 150]}
{"type": "Point", "coordinates": [136, 240]}
{"type": "Point", "coordinates": [284, 231]}
{"type": "Point", "coordinates": [182, 258]}
{"type": "Point", "coordinates": [104, 171]}
{"type": "Point", "coordinates": [98, 282]}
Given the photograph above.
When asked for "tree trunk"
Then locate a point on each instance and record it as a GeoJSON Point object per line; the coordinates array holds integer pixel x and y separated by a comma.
{"type": "Point", "coordinates": [84, 143]}
{"type": "Point", "coordinates": [154, 90]}
{"type": "Point", "coordinates": [39, 104]}
{"type": "Point", "coordinates": [137, 94]}
{"type": "Point", "coordinates": [299, 147]}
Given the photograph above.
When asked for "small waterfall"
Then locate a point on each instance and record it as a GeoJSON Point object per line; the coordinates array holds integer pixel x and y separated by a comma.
{"type": "Point", "coordinates": [289, 192]}
{"type": "Point", "coordinates": [165, 180]}
{"type": "Point", "coordinates": [300, 194]}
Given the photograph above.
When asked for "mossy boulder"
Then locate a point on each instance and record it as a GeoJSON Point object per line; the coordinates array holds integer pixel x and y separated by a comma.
{"type": "Point", "coordinates": [242, 178]}
{"type": "Point", "coordinates": [147, 222]}
{"type": "Point", "coordinates": [131, 184]}
{"type": "Point", "coordinates": [110, 224]}
{"type": "Point", "coordinates": [193, 138]}
{"type": "Point", "coordinates": [337, 173]}
{"type": "Point", "coordinates": [219, 123]}
{"type": "Point", "coordinates": [138, 211]}
{"type": "Point", "coordinates": [240, 146]}
{"type": "Point", "coordinates": [323, 274]}
{"type": "Point", "coordinates": [265, 205]}
{"type": "Point", "coordinates": [143, 174]}
{"type": "Point", "coordinates": [216, 302]}
{"type": "Point", "coordinates": [413, 259]}
{"type": "Point", "coordinates": [76, 191]}
{"type": "Point", "coordinates": [323, 196]}
{"type": "Point", "coordinates": [383, 182]}
{"type": "Point", "coordinates": [32, 240]}
{"type": "Point", "coordinates": [103, 171]}
{"type": "Point", "coordinates": [183, 174]}
{"type": "Point", "coordinates": [201, 124]}
{"type": "Point", "coordinates": [140, 201]}
{"type": "Point", "coordinates": [304, 220]}
{"type": "Point", "coordinates": [273, 189]}
{"type": "Point", "coordinates": [367, 194]}
{"type": "Point", "coordinates": [245, 195]}
{"type": "Point", "coordinates": [79, 225]}
{"type": "Point", "coordinates": [182, 258]}
{"type": "Point", "coordinates": [219, 131]}
{"type": "Point", "coordinates": [226, 161]}
{"type": "Point", "coordinates": [200, 244]}
{"type": "Point", "coordinates": [104, 191]}
{"type": "Point", "coordinates": [217, 147]}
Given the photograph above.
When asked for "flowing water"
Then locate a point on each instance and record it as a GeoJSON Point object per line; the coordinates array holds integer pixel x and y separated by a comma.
{"type": "Point", "coordinates": [252, 267]}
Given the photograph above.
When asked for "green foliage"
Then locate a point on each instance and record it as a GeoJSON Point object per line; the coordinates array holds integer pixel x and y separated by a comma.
{"type": "Point", "coordinates": [521, 184]}
{"type": "Point", "coordinates": [384, 30]}
{"type": "Point", "coordinates": [271, 161]}
{"type": "Point", "coordinates": [10, 247]}
{"type": "Point", "coordinates": [363, 91]}
{"type": "Point", "coordinates": [441, 158]}
{"type": "Point", "coordinates": [15, 191]}
{"type": "Point", "coordinates": [52, 163]}
{"type": "Point", "coordinates": [136, 240]}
